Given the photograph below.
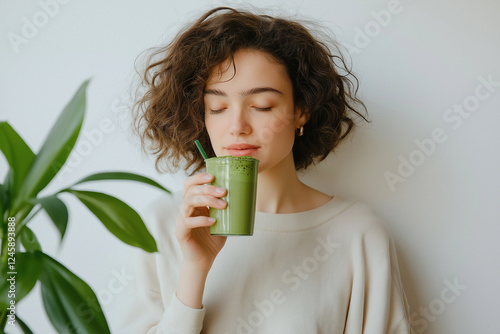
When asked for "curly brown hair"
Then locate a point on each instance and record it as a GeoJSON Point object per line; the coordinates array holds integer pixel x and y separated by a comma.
{"type": "Point", "coordinates": [170, 114]}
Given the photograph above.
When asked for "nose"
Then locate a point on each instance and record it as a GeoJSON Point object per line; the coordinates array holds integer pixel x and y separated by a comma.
{"type": "Point", "coordinates": [239, 122]}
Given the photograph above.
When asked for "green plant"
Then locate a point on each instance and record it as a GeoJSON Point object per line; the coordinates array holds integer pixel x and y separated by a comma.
{"type": "Point", "coordinates": [65, 296]}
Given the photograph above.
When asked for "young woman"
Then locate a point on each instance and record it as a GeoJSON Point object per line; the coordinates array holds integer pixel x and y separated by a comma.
{"type": "Point", "coordinates": [247, 84]}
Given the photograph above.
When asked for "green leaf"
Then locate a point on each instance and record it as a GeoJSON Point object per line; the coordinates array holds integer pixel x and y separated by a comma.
{"type": "Point", "coordinates": [18, 155]}
{"type": "Point", "coordinates": [9, 179]}
{"type": "Point", "coordinates": [24, 327]}
{"type": "Point", "coordinates": [29, 239]}
{"type": "Point", "coordinates": [119, 218]}
{"type": "Point", "coordinates": [57, 211]}
{"type": "Point", "coordinates": [56, 148]}
{"type": "Point", "coordinates": [4, 200]}
{"type": "Point", "coordinates": [70, 303]}
{"type": "Point", "coordinates": [121, 176]}
{"type": "Point", "coordinates": [28, 267]}
{"type": "Point", "coordinates": [25, 208]}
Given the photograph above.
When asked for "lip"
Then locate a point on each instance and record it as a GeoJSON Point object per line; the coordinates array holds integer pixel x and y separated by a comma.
{"type": "Point", "coordinates": [238, 150]}
{"type": "Point", "coordinates": [241, 146]}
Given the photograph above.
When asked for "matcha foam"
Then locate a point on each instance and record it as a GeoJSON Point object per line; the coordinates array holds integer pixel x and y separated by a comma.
{"type": "Point", "coordinates": [244, 165]}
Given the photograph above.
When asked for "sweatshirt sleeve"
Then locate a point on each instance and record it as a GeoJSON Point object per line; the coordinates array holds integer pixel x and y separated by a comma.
{"type": "Point", "coordinates": [378, 303]}
{"type": "Point", "coordinates": [154, 307]}
{"type": "Point", "coordinates": [147, 313]}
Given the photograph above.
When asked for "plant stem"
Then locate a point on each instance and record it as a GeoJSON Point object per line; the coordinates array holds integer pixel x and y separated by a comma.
{"type": "Point", "coordinates": [3, 319]}
{"type": "Point", "coordinates": [3, 252]}
{"type": "Point", "coordinates": [20, 223]}
{"type": "Point", "coordinates": [24, 220]}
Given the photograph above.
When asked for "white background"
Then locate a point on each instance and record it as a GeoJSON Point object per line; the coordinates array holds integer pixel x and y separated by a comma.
{"type": "Point", "coordinates": [413, 68]}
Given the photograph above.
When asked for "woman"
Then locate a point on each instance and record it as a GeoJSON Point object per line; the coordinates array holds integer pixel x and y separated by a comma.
{"type": "Point", "coordinates": [246, 84]}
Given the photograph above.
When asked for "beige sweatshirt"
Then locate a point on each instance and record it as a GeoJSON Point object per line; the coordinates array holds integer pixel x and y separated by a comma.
{"type": "Point", "coordinates": [329, 270]}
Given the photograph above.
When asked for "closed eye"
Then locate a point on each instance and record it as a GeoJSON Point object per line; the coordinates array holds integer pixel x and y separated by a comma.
{"type": "Point", "coordinates": [217, 111]}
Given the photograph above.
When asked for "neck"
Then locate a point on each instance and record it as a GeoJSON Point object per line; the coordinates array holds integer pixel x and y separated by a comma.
{"type": "Point", "coordinates": [279, 190]}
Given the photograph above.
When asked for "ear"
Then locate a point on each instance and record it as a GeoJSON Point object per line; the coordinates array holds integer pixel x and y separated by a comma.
{"type": "Point", "coordinates": [301, 116]}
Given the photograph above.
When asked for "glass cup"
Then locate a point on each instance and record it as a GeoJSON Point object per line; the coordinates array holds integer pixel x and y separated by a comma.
{"type": "Point", "coordinates": [239, 176]}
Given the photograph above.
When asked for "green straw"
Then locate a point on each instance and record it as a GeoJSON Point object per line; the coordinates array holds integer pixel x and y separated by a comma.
{"type": "Point", "coordinates": [198, 145]}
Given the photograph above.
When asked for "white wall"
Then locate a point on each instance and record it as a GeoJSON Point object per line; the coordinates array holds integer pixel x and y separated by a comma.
{"type": "Point", "coordinates": [428, 57]}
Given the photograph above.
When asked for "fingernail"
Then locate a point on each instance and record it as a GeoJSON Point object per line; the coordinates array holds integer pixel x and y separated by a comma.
{"type": "Point", "coordinates": [211, 220]}
{"type": "Point", "coordinates": [221, 202]}
{"type": "Point", "coordinates": [207, 177]}
{"type": "Point", "coordinates": [219, 191]}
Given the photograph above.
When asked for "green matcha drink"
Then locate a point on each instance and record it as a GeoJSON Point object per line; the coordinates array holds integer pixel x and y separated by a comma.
{"type": "Point", "coordinates": [239, 176]}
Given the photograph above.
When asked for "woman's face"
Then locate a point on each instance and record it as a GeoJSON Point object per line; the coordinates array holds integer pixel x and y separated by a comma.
{"type": "Point", "coordinates": [251, 112]}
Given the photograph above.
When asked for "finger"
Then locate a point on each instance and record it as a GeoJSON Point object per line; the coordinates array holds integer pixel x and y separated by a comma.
{"type": "Point", "coordinates": [184, 226]}
{"type": "Point", "coordinates": [195, 201]}
{"type": "Point", "coordinates": [206, 189]}
{"type": "Point", "coordinates": [200, 221]}
{"type": "Point", "coordinates": [198, 179]}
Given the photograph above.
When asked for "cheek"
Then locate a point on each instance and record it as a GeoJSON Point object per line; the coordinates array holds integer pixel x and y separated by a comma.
{"type": "Point", "coordinates": [212, 131]}
{"type": "Point", "coordinates": [212, 126]}
{"type": "Point", "coordinates": [282, 127]}
{"type": "Point", "coordinates": [279, 138]}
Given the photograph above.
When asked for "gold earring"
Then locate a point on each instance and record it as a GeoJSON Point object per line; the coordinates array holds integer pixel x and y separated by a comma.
{"type": "Point", "coordinates": [301, 131]}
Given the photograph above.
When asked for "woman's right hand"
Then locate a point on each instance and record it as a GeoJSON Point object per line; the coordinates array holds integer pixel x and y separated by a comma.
{"type": "Point", "coordinates": [192, 230]}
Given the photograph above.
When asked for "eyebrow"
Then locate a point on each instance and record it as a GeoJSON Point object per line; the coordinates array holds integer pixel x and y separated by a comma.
{"type": "Point", "coordinates": [256, 90]}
